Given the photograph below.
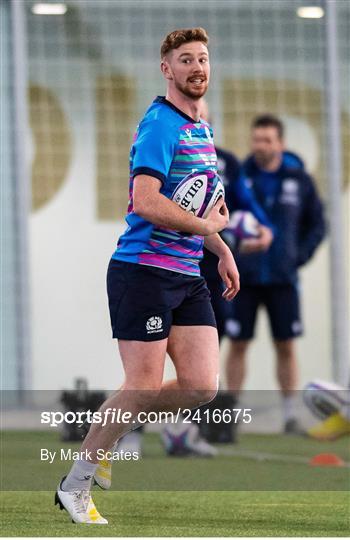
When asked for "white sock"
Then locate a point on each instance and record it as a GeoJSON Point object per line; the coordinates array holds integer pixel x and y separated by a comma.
{"type": "Point", "coordinates": [80, 476]}
{"type": "Point", "coordinates": [288, 404]}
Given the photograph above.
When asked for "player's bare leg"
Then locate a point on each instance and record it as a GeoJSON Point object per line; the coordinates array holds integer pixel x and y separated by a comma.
{"type": "Point", "coordinates": [194, 351]}
{"type": "Point", "coordinates": [143, 364]}
{"type": "Point", "coordinates": [236, 365]}
{"type": "Point", "coordinates": [287, 376]}
{"type": "Point", "coordinates": [287, 369]}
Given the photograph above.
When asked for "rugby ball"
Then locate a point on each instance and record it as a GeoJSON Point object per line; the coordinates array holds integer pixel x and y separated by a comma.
{"type": "Point", "coordinates": [178, 438]}
{"type": "Point", "coordinates": [324, 398]}
{"type": "Point", "coordinates": [242, 226]}
{"type": "Point", "coordinates": [198, 192]}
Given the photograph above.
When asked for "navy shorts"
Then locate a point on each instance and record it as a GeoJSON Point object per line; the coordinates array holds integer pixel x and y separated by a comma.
{"type": "Point", "coordinates": [220, 306]}
{"type": "Point", "coordinates": [145, 301]}
{"type": "Point", "coordinates": [282, 306]}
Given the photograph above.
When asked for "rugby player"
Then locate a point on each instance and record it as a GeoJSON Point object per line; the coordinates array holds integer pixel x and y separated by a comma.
{"type": "Point", "coordinates": [158, 301]}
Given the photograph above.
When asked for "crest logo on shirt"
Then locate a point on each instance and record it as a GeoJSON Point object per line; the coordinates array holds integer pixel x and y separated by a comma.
{"type": "Point", "coordinates": [189, 133]}
{"type": "Point", "coordinates": [207, 132]}
{"type": "Point", "coordinates": [290, 192]}
{"type": "Point", "coordinates": [290, 185]}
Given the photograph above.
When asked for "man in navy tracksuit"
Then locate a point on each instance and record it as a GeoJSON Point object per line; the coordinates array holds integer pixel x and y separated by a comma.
{"type": "Point", "coordinates": [238, 197]}
{"type": "Point", "coordinates": [290, 200]}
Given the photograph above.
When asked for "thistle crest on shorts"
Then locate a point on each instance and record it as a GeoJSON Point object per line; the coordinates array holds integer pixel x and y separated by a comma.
{"type": "Point", "coordinates": [154, 324]}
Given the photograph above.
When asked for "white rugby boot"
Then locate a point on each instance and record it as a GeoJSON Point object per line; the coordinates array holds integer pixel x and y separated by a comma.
{"type": "Point", "coordinates": [79, 505]}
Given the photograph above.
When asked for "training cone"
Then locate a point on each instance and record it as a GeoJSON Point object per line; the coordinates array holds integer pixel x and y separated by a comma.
{"type": "Point", "coordinates": [326, 460]}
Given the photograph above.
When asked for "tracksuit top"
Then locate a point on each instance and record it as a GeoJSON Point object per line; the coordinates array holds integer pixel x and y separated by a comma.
{"type": "Point", "coordinates": [291, 203]}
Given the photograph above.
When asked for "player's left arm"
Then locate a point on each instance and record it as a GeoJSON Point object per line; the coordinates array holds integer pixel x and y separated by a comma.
{"type": "Point", "coordinates": [226, 267]}
{"type": "Point", "coordinates": [313, 225]}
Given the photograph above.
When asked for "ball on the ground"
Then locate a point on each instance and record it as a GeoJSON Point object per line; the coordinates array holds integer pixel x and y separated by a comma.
{"type": "Point", "coordinates": [178, 438]}
{"type": "Point", "coordinates": [324, 398]}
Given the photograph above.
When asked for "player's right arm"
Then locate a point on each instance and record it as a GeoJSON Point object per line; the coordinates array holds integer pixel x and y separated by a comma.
{"type": "Point", "coordinates": [153, 206]}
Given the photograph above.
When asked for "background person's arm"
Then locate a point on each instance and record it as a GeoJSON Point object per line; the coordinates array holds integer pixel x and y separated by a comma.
{"type": "Point", "coordinates": [261, 243]}
{"type": "Point", "coordinates": [153, 206]}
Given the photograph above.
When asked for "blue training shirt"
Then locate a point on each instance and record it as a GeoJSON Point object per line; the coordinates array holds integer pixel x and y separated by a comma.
{"type": "Point", "coordinates": [168, 145]}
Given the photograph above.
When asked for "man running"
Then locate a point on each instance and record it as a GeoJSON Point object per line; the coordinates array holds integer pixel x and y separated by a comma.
{"type": "Point", "coordinates": [158, 301]}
